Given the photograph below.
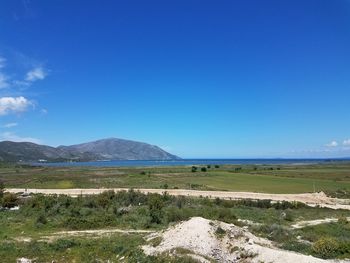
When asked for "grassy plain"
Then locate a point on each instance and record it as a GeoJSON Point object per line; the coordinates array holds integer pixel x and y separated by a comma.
{"type": "Point", "coordinates": [22, 232]}
{"type": "Point", "coordinates": [328, 177]}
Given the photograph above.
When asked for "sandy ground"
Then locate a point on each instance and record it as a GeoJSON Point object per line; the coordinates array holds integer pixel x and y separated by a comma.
{"type": "Point", "coordinates": [198, 237]}
{"type": "Point", "coordinates": [312, 199]}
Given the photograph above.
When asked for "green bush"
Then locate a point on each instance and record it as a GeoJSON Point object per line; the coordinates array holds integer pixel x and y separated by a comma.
{"type": "Point", "coordinates": [2, 188]}
{"type": "Point", "coordinates": [9, 200]}
{"type": "Point", "coordinates": [62, 244]}
{"type": "Point", "coordinates": [156, 204]}
{"type": "Point", "coordinates": [326, 248]}
{"type": "Point", "coordinates": [41, 220]}
{"type": "Point", "coordinates": [343, 220]}
{"type": "Point", "coordinates": [220, 232]}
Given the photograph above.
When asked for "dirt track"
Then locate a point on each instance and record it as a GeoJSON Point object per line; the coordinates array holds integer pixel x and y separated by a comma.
{"type": "Point", "coordinates": [311, 199]}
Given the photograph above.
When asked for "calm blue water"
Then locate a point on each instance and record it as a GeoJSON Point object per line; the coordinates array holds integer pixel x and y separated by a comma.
{"type": "Point", "coordinates": [188, 162]}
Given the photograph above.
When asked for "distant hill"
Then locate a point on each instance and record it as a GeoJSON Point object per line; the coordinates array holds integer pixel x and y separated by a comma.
{"type": "Point", "coordinates": [106, 149]}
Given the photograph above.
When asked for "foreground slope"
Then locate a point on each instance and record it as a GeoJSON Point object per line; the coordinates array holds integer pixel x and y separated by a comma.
{"type": "Point", "coordinates": [207, 240]}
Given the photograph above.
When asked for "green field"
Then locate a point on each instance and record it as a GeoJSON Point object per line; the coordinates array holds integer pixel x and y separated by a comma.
{"type": "Point", "coordinates": [328, 177]}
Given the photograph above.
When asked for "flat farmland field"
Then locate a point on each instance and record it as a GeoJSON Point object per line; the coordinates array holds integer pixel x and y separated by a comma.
{"type": "Point", "coordinates": [330, 177]}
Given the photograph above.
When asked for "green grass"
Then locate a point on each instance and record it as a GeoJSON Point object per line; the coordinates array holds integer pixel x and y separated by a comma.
{"type": "Point", "coordinates": [115, 248]}
{"type": "Point", "coordinates": [282, 179]}
{"type": "Point", "coordinates": [41, 216]}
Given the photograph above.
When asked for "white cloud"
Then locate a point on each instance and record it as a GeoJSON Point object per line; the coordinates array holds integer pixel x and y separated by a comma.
{"type": "Point", "coordinates": [346, 142]}
{"type": "Point", "coordinates": [37, 73]}
{"type": "Point", "coordinates": [10, 136]}
{"type": "Point", "coordinates": [13, 105]}
{"type": "Point", "coordinates": [332, 144]}
{"type": "Point", "coordinates": [10, 125]}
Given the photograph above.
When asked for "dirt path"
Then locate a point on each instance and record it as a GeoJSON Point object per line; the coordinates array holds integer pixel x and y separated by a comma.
{"type": "Point", "coordinates": [302, 224]}
{"type": "Point", "coordinates": [91, 233]}
{"type": "Point", "coordinates": [312, 199]}
{"type": "Point", "coordinates": [100, 232]}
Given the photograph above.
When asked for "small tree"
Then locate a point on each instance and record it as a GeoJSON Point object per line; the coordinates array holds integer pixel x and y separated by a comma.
{"type": "Point", "coordinates": [194, 169]}
{"type": "Point", "coordinates": [9, 200]}
{"type": "Point", "coordinates": [203, 169]}
{"type": "Point", "coordinates": [2, 188]}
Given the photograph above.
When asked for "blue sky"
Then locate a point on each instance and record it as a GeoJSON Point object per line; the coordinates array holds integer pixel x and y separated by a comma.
{"type": "Point", "coordinates": [206, 79]}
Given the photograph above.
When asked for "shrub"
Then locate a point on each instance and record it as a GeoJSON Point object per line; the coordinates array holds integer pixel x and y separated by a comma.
{"type": "Point", "coordinates": [156, 204]}
{"type": "Point", "coordinates": [220, 232]}
{"type": "Point", "coordinates": [9, 200]}
{"type": "Point", "coordinates": [203, 169]}
{"type": "Point", "coordinates": [326, 247]}
{"type": "Point", "coordinates": [2, 189]}
{"type": "Point", "coordinates": [274, 232]}
{"type": "Point", "coordinates": [62, 244]}
{"type": "Point", "coordinates": [41, 220]}
{"type": "Point", "coordinates": [194, 169]}
{"type": "Point", "coordinates": [174, 214]}
{"type": "Point", "coordinates": [226, 215]}
{"type": "Point", "coordinates": [343, 220]}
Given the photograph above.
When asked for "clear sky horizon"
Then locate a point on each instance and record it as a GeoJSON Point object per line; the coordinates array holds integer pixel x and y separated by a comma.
{"type": "Point", "coordinates": [202, 79]}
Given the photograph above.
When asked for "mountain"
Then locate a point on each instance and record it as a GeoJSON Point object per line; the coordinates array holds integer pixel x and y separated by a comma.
{"type": "Point", "coordinates": [106, 149]}
{"type": "Point", "coordinates": [119, 149]}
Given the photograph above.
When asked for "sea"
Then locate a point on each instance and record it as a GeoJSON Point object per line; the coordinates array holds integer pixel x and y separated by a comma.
{"type": "Point", "coordinates": [188, 162]}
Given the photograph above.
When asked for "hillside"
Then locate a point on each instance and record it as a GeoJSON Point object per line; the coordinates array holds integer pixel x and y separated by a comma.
{"type": "Point", "coordinates": [106, 149]}
{"type": "Point", "coordinates": [120, 149]}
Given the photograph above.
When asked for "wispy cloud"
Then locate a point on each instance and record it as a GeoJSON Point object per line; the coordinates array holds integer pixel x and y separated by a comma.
{"type": "Point", "coordinates": [4, 81]}
{"type": "Point", "coordinates": [10, 125]}
{"type": "Point", "coordinates": [35, 74]}
{"type": "Point", "coordinates": [2, 62]}
{"type": "Point", "coordinates": [14, 105]}
{"type": "Point", "coordinates": [3, 77]}
{"type": "Point", "coordinates": [346, 142]}
{"type": "Point", "coordinates": [332, 144]}
{"type": "Point", "coordinates": [10, 136]}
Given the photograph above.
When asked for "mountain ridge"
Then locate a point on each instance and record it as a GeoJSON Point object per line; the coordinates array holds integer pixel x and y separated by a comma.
{"type": "Point", "coordinates": [103, 149]}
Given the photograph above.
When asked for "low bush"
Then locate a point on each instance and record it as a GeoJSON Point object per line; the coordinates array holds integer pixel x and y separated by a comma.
{"type": "Point", "coordinates": [326, 248]}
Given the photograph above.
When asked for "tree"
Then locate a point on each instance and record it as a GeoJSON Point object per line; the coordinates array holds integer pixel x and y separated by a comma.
{"type": "Point", "coordinates": [194, 169]}
{"type": "Point", "coordinates": [203, 169]}
{"type": "Point", "coordinates": [2, 188]}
